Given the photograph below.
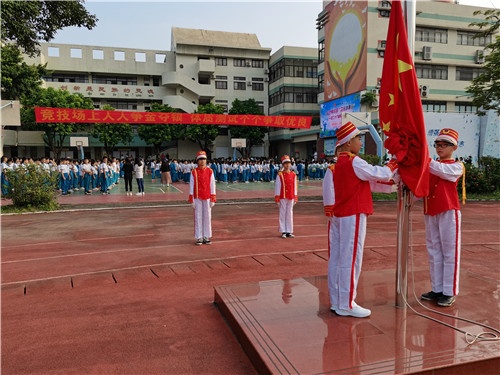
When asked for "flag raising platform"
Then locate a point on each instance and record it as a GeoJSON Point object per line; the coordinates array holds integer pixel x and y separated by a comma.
{"type": "Point", "coordinates": [286, 327]}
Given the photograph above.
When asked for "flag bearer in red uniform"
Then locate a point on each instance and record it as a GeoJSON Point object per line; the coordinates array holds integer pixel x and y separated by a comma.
{"type": "Point", "coordinates": [285, 195]}
{"type": "Point", "coordinates": [202, 197]}
{"type": "Point", "coordinates": [347, 201]}
{"type": "Point", "coordinates": [443, 220]}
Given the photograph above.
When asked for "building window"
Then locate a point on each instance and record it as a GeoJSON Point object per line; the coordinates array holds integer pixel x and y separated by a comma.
{"type": "Point", "coordinates": [294, 95]}
{"type": "Point", "coordinates": [72, 78]}
{"type": "Point", "coordinates": [467, 74]}
{"type": "Point", "coordinates": [239, 78]}
{"type": "Point", "coordinates": [140, 57]}
{"type": "Point", "coordinates": [156, 80]}
{"type": "Point", "coordinates": [257, 63]}
{"type": "Point", "coordinates": [257, 86]}
{"type": "Point", "coordinates": [434, 106]}
{"type": "Point", "coordinates": [261, 106]}
{"type": "Point", "coordinates": [240, 85]}
{"type": "Point", "coordinates": [321, 83]}
{"type": "Point", "coordinates": [117, 104]}
{"type": "Point", "coordinates": [468, 38]}
{"type": "Point", "coordinates": [425, 34]}
{"type": "Point", "coordinates": [98, 54]}
{"type": "Point", "coordinates": [221, 61]}
{"type": "Point", "coordinates": [115, 80]}
{"type": "Point", "coordinates": [431, 71]}
{"type": "Point", "coordinates": [221, 85]}
{"type": "Point", "coordinates": [321, 51]}
{"type": "Point", "coordinates": [160, 58]}
{"type": "Point", "coordinates": [239, 62]}
{"type": "Point", "coordinates": [119, 55]}
{"type": "Point", "coordinates": [465, 108]}
{"type": "Point", "coordinates": [53, 51]}
{"type": "Point", "coordinates": [75, 53]}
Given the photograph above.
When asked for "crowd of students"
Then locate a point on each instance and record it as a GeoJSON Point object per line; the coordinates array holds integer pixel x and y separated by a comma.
{"type": "Point", "coordinates": [101, 176]}
{"type": "Point", "coordinates": [241, 170]}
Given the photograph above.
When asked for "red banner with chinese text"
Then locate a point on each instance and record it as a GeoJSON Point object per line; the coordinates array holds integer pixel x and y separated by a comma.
{"type": "Point", "coordinates": [70, 115]}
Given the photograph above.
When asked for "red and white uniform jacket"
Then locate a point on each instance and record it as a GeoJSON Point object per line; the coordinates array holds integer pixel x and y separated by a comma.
{"type": "Point", "coordinates": [286, 186]}
{"type": "Point", "coordinates": [348, 184]}
{"type": "Point", "coordinates": [202, 184]}
{"type": "Point", "coordinates": [443, 195]}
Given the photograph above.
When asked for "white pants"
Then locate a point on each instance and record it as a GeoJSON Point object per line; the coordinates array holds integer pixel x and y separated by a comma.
{"type": "Point", "coordinates": [442, 233]}
{"type": "Point", "coordinates": [346, 238]}
{"type": "Point", "coordinates": [202, 218]}
{"type": "Point", "coordinates": [286, 215]}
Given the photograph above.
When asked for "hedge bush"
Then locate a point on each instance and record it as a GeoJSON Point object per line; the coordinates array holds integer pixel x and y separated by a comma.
{"type": "Point", "coordinates": [483, 179]}
{"type": "Point", "coordinates": [32, 187]}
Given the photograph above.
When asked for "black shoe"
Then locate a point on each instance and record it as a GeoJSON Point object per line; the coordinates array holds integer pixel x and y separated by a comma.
{"type": "Point", "coordinates": [198, 242]}
{"type": "Point", "coordinates": [283, 235]}
{"type": "Point", "coordinates": [446, 301]}
{"type": "Point", "coordinates": [290, 235]}
{"type": "Point", "coordinates": [431, 296]}
{"type": "Point", "coordinates": [207, 241]}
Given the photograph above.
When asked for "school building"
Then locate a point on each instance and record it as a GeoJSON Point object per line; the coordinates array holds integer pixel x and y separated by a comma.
{"type": "Point", "coordinates": [217, 67]}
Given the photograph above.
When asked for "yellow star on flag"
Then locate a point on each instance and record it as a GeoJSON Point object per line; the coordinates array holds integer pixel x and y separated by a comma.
{"type": "Point", "coordinates": [386, 126]}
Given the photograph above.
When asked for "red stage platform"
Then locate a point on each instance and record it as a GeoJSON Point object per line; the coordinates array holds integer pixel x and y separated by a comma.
{"type": "Point", "coordinates": [286, 327]}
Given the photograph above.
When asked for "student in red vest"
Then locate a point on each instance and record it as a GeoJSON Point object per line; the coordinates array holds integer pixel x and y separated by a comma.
{"type": "Point", "coordinates": [347, 201]}
{"type": "Point", "coordinates": [285, 196]}
{"type": "Point", "coordinates": [443, 220]}
{"type": "Point", "coordinates": [202, 197]}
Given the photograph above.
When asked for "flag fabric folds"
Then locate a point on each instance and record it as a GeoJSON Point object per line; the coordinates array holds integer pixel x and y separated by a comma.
{"type": "Point", "coordinates": [401, 114]}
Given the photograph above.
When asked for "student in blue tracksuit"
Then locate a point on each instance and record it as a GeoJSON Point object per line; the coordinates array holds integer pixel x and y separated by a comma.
{"type": "Point", "coordinates": [103, 175]}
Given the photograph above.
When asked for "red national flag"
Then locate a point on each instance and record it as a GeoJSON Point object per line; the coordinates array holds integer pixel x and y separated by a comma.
{"type": "Point", "coordinates": [401, 114]}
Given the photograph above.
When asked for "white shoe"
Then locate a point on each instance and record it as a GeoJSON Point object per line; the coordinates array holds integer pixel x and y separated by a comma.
{"type": "Point", "coordinates": [139, 194]}
{"type": "Point", "coordinates": [142, 193]}
{"type": "Point", "coordinates": [356, 311]}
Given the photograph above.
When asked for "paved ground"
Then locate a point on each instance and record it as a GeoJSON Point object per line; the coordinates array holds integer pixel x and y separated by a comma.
{"type": "Point", "coordinates": [124, 290]}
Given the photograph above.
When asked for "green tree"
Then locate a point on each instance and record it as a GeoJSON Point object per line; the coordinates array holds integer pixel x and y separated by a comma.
{"type": "Point", "coordinates": [27, 23]}
{"type": "Point", "coordinates": [112, 134]}
{"type": "Point", "coordinates": [204, 135]}
{"type": "Point", "coordinates": [485, 88]}
{"type": "Point", "coordinates": [253, 134]}
{"type": "Point", "coordinates": [156, 134]}
{"type": "Point", "coordinates": [54, 133]}
{"type": "Point", "coordinates": [19, 80]}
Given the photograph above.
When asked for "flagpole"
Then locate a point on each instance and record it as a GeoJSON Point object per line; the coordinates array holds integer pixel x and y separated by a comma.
{"type": "Point", "coordinates": [405, 196]}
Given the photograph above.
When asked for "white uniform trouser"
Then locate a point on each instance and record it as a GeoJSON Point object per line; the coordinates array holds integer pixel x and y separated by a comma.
{"type": "Point", "coordinates": [202, 218]}
{"type": "Point", "coordinates": [346, 237]}
{"type": "Point", "coordinates": [443, 241]}
{"type": "Point", "coordinates": [286, 215]}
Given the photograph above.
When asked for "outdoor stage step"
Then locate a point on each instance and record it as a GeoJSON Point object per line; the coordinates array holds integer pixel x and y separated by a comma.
{"type": "Point", "coordinates": [286, 327]}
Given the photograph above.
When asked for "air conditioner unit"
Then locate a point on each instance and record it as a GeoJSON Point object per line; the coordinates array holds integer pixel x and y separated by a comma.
{"type": "Point", "coordinates": [385, 5]}
{"type": "Point", "coordinates": [381, 45]}
{"type": "Point", "coordinates": [249, 83]}
{"type": "Point", "coordinates": [266, 79]}
{"type": "Point", "coordinates": [479, 56]}
{"type": "Point", "coordinates": [375, 91]}
{"type": "Point", "coordinates": [427, 53]}
{"type": "Point", "coordinates": [424, 91]}
{"type": "Point", "coordinates": [266, 71]}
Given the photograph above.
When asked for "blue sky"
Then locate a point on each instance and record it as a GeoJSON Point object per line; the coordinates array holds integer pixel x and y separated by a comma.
{"type": "Point", "coordinates": [147, 24]}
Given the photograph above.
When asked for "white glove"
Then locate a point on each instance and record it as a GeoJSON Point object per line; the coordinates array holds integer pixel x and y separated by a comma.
{"type": "Point", "coordinates": [294, 203]}
{"type": "Point", "coordinates": [212, 204]}
{"type": "Point", "coordinates": [192, 205]}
